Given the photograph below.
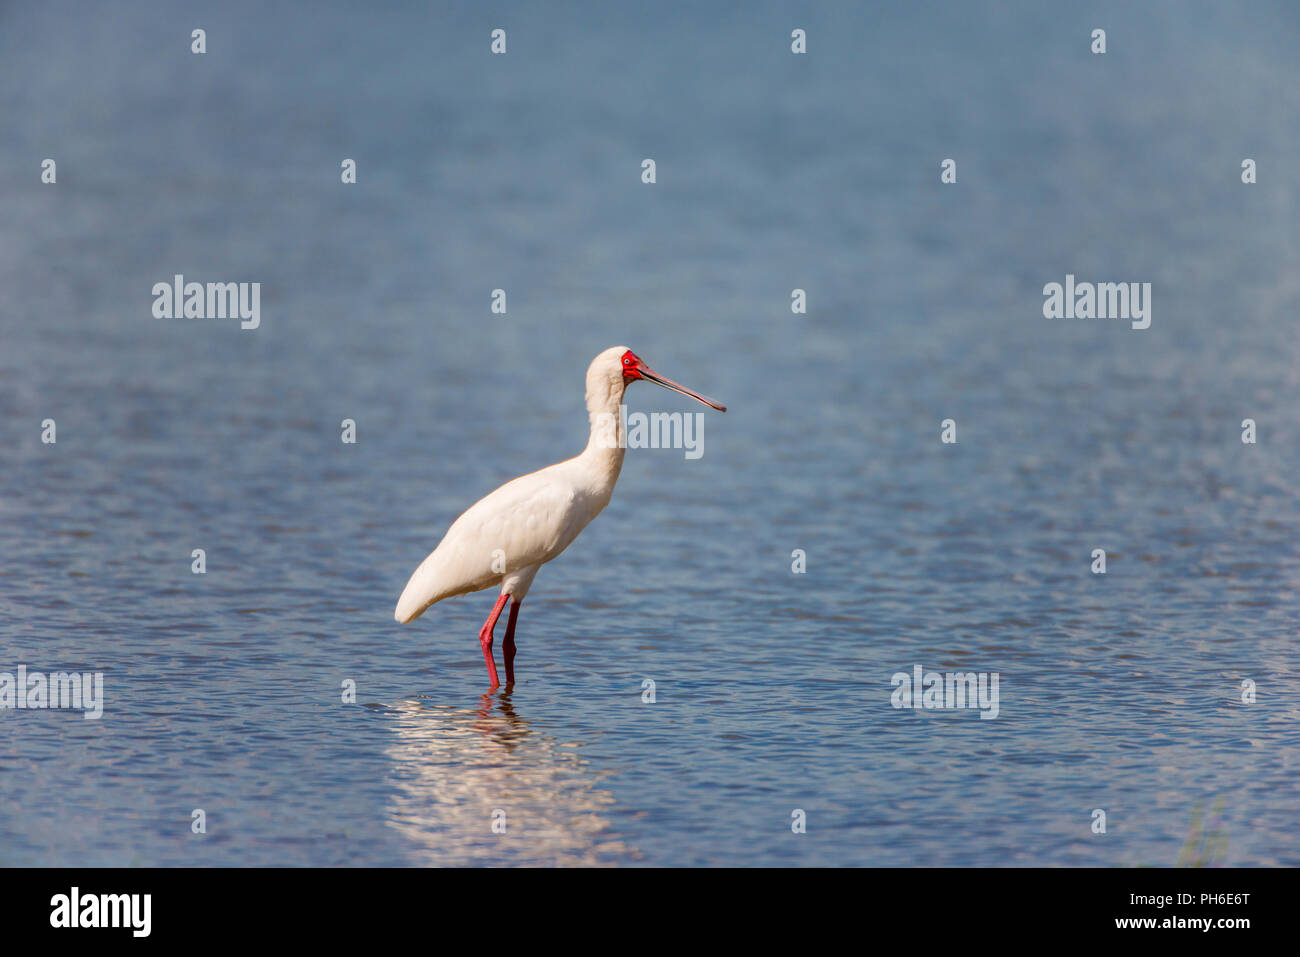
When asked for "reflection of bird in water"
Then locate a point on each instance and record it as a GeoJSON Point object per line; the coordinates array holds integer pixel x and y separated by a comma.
{"type": "Point", "coordinates": [455, 768]}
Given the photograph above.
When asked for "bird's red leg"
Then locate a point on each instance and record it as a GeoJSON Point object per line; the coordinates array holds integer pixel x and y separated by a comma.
{"type": "Point", "coordinates": [485, 637]}
{"type": "Point", "coordinates": [508, 646]}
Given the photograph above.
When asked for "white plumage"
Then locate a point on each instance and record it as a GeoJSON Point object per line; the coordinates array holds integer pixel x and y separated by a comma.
{"type": "Point", "coordinates": [504, 538]}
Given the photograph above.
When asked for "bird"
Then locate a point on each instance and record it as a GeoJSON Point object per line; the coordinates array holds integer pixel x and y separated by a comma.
{"type": "Point", "coordinates": [506, 536]}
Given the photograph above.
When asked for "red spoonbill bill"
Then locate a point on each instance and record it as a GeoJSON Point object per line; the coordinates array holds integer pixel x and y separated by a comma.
{"type": "Point", "coordinates": [504, 538]}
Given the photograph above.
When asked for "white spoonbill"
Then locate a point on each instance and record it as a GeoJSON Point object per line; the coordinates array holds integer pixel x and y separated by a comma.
{"type": "Point", "coordinates": [505, 538]}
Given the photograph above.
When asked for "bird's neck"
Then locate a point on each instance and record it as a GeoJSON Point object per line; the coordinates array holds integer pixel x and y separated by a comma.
{"type": "Point", "coordinates": [606, 445]}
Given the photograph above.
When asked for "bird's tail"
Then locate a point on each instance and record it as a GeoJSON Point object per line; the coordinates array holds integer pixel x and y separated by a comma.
{"type": "Point", "coordinates": [414, 601]}
{"type": "Point", "coordinates": [408, 609]}
{"type": "Point", "coordinates": [430, 583]}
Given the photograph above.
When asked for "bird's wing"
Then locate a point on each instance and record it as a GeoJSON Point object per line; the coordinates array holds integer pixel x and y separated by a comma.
{"type": "Point", "coordinates": [525, 522]}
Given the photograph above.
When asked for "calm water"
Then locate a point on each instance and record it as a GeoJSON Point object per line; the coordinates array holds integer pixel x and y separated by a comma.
{"type": "Point", "coordinates": [821, 172]}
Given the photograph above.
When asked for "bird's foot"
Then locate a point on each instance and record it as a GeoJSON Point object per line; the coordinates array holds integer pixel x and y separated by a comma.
{"type": "Point", "coordinates": [508, 653]}
{"type": "Point", "coordinates": [486, 642]}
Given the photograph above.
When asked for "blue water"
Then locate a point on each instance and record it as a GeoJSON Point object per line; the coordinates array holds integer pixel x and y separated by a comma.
{"type": "Point", "coordinates": [1119, 692]}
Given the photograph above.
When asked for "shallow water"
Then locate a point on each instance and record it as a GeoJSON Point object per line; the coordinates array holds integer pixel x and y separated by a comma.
{"type": "Point", "coordinates": [772, 689]}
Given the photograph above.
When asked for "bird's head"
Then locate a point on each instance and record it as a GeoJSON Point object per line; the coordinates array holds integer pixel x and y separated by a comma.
{"type": "Point", "coordinates": [625, 366]}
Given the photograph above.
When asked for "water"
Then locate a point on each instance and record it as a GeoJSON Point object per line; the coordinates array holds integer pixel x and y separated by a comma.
{"type": "Point", "coordinates": [1120, 692]}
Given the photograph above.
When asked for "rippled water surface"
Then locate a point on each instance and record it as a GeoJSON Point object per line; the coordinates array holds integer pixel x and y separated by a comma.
{"type": "Point", "coordinates": [772, 689]}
